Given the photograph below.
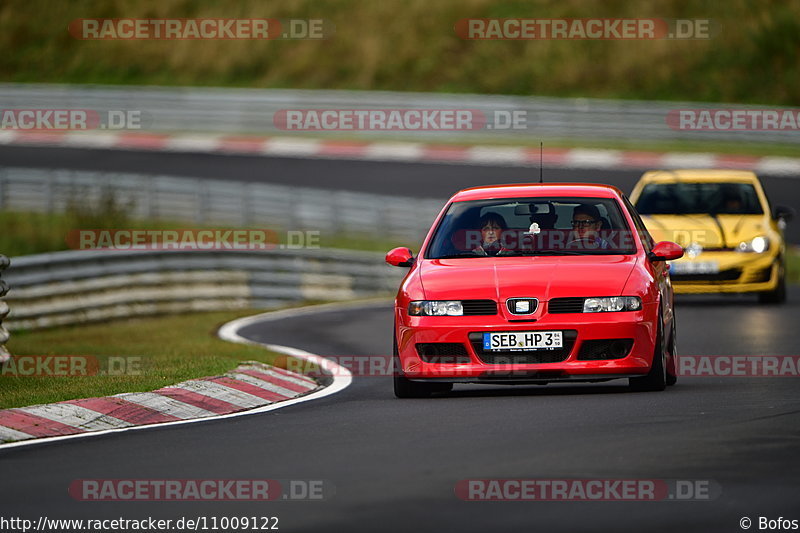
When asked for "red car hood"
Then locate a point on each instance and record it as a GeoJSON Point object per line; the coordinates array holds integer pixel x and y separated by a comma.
{"type": "Point", "coordinates": [542, 277]}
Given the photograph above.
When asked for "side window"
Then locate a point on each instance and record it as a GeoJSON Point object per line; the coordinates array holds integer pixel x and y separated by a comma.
{"type": "Point", "coordinates": [647, 240]}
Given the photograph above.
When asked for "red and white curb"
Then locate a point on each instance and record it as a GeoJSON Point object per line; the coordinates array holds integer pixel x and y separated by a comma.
{"type": "Point", "coordinates": [300, 147]}
{"type": "Point", "coordinates": [251, 388]}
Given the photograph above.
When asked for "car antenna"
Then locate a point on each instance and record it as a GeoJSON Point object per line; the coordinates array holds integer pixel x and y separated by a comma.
{"type": "Point", "coordinates": [541, 159]}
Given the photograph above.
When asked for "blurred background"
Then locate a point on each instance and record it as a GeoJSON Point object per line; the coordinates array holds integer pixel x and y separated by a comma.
{"type": "Point", "coordinates": [412, 46]}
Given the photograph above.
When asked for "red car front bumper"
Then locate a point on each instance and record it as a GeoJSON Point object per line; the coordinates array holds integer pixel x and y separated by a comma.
{"type": "Point", "coordinates": [637, 328]}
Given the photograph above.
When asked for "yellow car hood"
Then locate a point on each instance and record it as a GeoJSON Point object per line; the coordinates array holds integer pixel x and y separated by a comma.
{"type": "Point", "coordinates": [704, 230]}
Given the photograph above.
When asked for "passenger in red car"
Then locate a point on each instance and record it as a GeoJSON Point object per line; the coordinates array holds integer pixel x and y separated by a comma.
{"type": "Point", "coordinates": [492, 227]}
{"type": "Point", "coordinates": [586, 224]}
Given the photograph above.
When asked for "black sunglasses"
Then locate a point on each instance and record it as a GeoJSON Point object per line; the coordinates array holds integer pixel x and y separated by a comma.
{"type": "Point", "coordinates": [584, 223]}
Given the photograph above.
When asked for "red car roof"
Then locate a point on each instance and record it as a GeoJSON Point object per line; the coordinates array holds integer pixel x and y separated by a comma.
{"type": "Point", "coordinates": [518, 190]}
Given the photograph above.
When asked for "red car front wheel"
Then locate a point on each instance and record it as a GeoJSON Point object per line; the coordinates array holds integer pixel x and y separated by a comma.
{"type": "Point", "coordinates": [656, 379]}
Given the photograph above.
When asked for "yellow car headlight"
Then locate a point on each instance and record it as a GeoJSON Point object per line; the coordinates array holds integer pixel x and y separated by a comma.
{"type": "Point", "coordinates": [757, 245]}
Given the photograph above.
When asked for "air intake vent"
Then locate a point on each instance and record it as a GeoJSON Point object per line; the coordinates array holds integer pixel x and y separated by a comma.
{"type": "Point", "coordinates": [565, 305]}
{"type": "Point", "coordinates": [726, 275]}
{"type": "Point", "coordinates": [479, 307]}
{"type": "Point", "coordinates": [443, 353]}
{"type": "Point", "coordinates": [760, 276]}
{"type": "Point", "coordinates": [597, 350]}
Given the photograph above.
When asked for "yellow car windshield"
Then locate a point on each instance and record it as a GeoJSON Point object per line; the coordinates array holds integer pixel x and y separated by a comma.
{"type": "Point", "coordinates": [699, 197]}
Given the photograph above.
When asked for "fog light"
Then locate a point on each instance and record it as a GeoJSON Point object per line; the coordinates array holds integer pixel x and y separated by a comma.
{"type": "Point", "coordinates": [618, 349]}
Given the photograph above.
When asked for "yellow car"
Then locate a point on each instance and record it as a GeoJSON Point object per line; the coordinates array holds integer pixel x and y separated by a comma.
{"type": "Point", "coordinates": [733, 240]}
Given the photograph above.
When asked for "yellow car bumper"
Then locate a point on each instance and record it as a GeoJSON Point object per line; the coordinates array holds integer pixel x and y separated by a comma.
{"type": "Point", "coordinates": [736, 273]}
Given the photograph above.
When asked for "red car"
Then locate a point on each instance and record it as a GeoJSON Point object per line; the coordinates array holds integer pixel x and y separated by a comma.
{"type": "Point", "coordinates": [535, 283]}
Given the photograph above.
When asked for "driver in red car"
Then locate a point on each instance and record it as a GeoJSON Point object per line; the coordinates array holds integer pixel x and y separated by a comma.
{"type": "Point", "coordinates": [586, 224]}
{"type": "Point", "coordinates": [492, 227]}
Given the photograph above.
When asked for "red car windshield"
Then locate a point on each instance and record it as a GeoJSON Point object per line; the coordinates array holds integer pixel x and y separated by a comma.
{"type": "Point", "coordinates": [532, 226]}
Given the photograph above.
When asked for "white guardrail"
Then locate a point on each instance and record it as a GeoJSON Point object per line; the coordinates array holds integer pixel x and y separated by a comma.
{"type": "Point", "coordinates": [227, 110]}
{"type": "Point", "coordinates": [228, 203]}
{"type": "Point", "coordinates": [83, 286]}
{"type": "Point", "coordinates": [89, 285]}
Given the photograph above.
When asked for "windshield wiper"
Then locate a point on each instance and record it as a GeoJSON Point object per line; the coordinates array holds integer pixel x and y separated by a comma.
{"type": "Point", "coordinates": [574, 252]}
{"type": "Point", "coordinates": [543, 252]}
{"type": "Point", "coordinates": [715, 218]}
{"type": "Point", "coordinates": [534, 253]}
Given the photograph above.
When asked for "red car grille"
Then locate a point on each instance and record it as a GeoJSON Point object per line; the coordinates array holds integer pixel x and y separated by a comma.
{"type": "Point", "coordinates": [565, 305]}
{"type": "Point", "coordinates": [479, 307]}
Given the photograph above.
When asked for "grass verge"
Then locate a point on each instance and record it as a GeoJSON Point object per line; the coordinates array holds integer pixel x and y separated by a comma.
{"type": "Point", "coordinates": [793, 264]}
{"type": "Point", "coordinates": [750, 55]}
{"type": "Point", "coordinates": [156, 352]}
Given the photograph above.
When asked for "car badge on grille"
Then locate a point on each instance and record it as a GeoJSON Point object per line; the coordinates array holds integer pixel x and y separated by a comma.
{"type": "Point", "coordinates": [522, 306]}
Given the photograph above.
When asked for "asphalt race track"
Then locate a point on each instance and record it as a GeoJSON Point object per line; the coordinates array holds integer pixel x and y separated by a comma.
{"type": "Point", "coordinates": [395, 463]}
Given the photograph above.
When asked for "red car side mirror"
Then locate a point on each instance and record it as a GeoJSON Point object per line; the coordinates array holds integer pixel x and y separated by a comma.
{"type": "Point", "coordinates": [400, 257]}
{"type": "Point", "coordinates": [665, 251]}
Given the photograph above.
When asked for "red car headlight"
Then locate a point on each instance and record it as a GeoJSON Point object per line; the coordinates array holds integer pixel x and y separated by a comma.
{"type": "Point", "coordinates": [435, 308]}
{"type": "Point", "coordinates": [612, 303]}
